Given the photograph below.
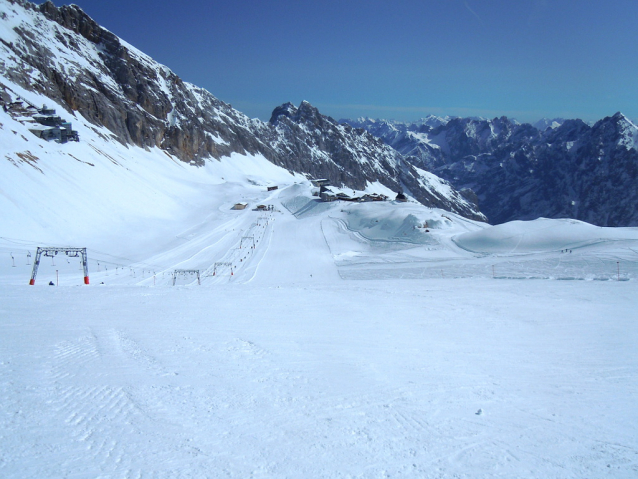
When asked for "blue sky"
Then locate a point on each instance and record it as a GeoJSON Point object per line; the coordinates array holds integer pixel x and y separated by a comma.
{"type": "Point", "coordinates": [525, 59]}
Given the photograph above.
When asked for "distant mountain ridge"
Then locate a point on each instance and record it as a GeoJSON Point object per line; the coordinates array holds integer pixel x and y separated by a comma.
{"type": "Point", "coordinates": [564, 169]}
{"type": "Point", "coordinates": [64, 55]}
{"type": "Point", "coordinates": [545, 123]}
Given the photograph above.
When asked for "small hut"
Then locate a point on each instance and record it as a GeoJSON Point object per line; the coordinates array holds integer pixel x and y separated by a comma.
{"type": "Point", "coordinates": [328, 195]}
{"type": "Point", "coordinates": [320, 182]}
{"type": "Point", "coordinates": [401, 197]}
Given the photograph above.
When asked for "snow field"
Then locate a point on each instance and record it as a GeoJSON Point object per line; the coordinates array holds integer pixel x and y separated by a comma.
{"type": "Point", "coordinates": [362, 380]}
{"type": "Point", "coordinates": [350, 342]}
{"type": "Point", "coordinates": [287, 370]}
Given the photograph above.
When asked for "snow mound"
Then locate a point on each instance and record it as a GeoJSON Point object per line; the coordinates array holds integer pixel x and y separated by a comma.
{"type": "Point", "coordinates": [392, 223]}
{"type": "Point", "coordinates": [539, 235]}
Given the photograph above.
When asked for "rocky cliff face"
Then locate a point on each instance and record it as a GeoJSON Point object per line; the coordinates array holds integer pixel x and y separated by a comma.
{"type": "Point", "coordinates": [518, 171]}
{"type": "Point", "coordinates": [304, 138]}
{"type": "Point", "coordinates": [61, 53]}
{"type": "Point", "coordinates": [75, 62]}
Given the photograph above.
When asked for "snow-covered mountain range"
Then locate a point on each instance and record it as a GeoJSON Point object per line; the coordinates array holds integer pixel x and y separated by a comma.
{"type": "Point", "coordinates": [62, 56]}
{"type": "Point", "coordinates": [557, 168]}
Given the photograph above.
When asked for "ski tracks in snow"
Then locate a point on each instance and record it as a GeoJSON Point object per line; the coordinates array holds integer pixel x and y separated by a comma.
{"type": "Point", "coordinates": [100, 394]}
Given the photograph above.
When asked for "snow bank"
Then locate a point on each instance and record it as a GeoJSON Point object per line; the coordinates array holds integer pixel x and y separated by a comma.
{"type": "Point", "coordinates": [540, 235]}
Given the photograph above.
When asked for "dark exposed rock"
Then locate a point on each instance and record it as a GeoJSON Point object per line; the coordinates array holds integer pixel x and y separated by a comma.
{"type": "Point", "coordinates": [520, 172]}
{"type": "Point", "coordinates": [311, 142]}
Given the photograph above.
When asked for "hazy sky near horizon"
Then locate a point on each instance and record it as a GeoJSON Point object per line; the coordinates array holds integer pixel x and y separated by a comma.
{"type": "Point", "coordinates": [525, 59]}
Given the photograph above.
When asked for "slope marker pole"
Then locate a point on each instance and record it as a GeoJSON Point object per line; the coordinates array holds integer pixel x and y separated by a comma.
{"type": "Point", "coordinates": [618, 265]}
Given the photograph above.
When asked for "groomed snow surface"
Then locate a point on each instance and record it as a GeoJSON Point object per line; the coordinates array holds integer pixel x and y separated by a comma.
{"type": "Point", "coordinates": [332, 340]}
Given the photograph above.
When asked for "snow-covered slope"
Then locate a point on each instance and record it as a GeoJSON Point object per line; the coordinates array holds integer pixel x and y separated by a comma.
{"type": "Point", "coordinates": [325, 339]}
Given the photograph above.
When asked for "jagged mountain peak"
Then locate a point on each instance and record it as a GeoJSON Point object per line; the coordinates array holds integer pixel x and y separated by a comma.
{"type": "Point", "coordinates": [305, 113]}
{"type": "Point", "coordinates": [430, 121]}
{"type": "Point", "coordinates": [287, 109]}
{"type": "Point", "coordinates": [568, 130]}
{"type": "Point", "coordinates": [433, 120]}
{"type": "Point", "coordinates": [364, 119]}
{"type": "Point", "coordinates": [617, 130]}
{"type": "Point", "coordinates": [73, 18]}
{"type": "Point", "coordinates": [617, 121]}
{"type": "Point", "coordinates": [375, 123]}
{"type": "Point", "coordinates": [545, 123]}
{"type": "Point", "coordinates": [622, 119]}
{"type": "Point", "coordinates": [355, 156]}
{"type": "Point", "coordinates": [518, 171]}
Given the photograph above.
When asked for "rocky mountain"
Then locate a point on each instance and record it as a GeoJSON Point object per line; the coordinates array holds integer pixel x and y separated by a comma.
{"type": "Point", "coordinates": [65, 56]}
{"type": "Point", "coordinates": [519, 171]}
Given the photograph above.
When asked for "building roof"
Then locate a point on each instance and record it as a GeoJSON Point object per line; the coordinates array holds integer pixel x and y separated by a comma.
{"type": "Point", "coordinates": [39, 127]}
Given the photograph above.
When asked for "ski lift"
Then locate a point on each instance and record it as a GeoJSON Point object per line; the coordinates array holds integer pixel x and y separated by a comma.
{"type": "Point", "coordinates": [52, 252]}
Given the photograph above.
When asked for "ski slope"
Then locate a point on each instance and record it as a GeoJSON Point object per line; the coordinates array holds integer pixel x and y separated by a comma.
{"type": "Point", "coordinates": [351, 340]}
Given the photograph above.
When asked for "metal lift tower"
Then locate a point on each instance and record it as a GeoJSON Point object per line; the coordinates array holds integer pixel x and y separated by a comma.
{"type": "Point", "coordinates": [184, 272]}
{"type": "Point", "coordinates": [53, 251]}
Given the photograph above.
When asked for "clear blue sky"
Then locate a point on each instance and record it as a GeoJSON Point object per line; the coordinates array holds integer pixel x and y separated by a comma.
{"type": "Point", "coordinates": [526, 59]}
